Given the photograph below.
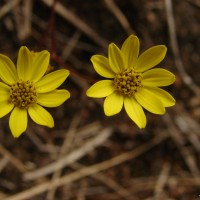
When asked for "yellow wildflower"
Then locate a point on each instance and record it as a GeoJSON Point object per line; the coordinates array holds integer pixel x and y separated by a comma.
{"type": "Point", "coordinates": [24, 89]}
{"type": "Point", "coordinates": [132, 81]}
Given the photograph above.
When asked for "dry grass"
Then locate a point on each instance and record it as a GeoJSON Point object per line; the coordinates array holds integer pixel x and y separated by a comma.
{"type": "Point", "coordinates": [88, 156]}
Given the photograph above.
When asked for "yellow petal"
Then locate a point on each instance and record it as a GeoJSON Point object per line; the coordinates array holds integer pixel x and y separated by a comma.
{"type": "Point", "coordinates": [40, 116]}
{"type": "Point", "coordinates": [130, 51]}
{"type": "Point", "coordinates": [53, 99]}
{"type": "Point", "coordinates": [24, 63]}
{"type": "Point", "coordinates": [51, 81]}
{"type": "Point", "coordinates": [101, 89]}
{"type": "Point", "coordinates": [115, 58]}
{"type": "Point", "coordinates": [150, 58]}
{"type": "Point", "coordinates": [6, 107]}
{"type": "Point", "coordinates": [135, 111]}
{"type": "Point", "coordinates": [158, 77]}
{"type": "Point", "coordinates": [113, 104]}
{"type": "Point", "coordinates": [102, 67]}
{"type": "Point", "coordinates": [40, 65]}
{"type": "Point", "coordinates": [151, 103]}
{"type": "Point", "coordinates": [32, 66]}
{"type": "Point", "coordinates": [18, 121]}
{"type": "Point", "coordinates": [8, 72]}
{"type": "Point", "coordinates": [4, 92]}
{"type": "Point", "coordinates": [166, 99]}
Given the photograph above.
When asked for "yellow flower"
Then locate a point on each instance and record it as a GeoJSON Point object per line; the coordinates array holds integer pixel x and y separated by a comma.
{"type": "Point", "coordinates": [132, 82]}
{"type": "Point", "coordinates": [24, 89]}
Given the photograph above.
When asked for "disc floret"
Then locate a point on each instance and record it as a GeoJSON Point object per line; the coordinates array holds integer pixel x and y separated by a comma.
{"type": "Point", "coordinates": [23, 94]}
{"type": "Point", "coordinates": [128, 82]}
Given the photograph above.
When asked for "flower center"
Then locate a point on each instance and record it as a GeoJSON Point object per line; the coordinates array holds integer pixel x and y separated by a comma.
{"type": "Point", "coordinates": [128, 82]}
{"type": "Point", "coordinates": [23, 94]}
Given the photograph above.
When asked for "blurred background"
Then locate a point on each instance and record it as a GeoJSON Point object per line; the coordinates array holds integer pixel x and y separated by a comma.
{"type": "Point", "coordinates": [88, 156]}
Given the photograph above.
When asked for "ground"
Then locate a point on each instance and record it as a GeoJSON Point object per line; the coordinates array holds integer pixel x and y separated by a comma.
{"type": "Point", "coordinates": [88, 156]}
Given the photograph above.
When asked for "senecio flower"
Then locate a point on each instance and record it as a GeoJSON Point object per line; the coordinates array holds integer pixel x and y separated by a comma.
{"type": "Point", "coordinates": [25, 89]}
{"type": "Point", "coordinates": [132, 81]}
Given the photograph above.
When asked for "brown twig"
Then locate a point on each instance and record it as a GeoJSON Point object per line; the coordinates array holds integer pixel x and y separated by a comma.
{"type": "Point", "coordinates": [22, 16]}
{"type": "Point", "coordinates": [72, 18]}
{"type": "Point", "coordinates": [186, 153]}
{"type": "Point", "coordinates": [72, 157]}
{"type": "Point", "coordinates": [120, 191]}
{"type": "Point", "coordinates": [3, 162]}
{"type": "Point", "coordinates": [17, 163]}
{"type": "Point", "coordinates": [175, 49]}
{"type": "Point", "coordinates": [162, 181]}
{"type": "Point", "coordinates": [52, 25]}
{"type": "Point", "coordinates": [64, 150]}
{"type": "Point", "coordinates": [41, 146]}
{"type": "Point", "coordinates": [90, 170]}
{"type": "Point", "coordinates": [8, 7]}
{"type": "Point", "coordinates": [111, 5]}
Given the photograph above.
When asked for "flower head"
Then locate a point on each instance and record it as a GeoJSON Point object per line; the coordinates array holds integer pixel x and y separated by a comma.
{"type": "Point", "coordinates": [25, 89]}
{"type": "Point", "coordinates": [131, 80]}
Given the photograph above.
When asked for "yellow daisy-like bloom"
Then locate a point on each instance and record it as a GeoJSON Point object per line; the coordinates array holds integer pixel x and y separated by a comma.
{"type": "Point", "coordinates": [24, 89]}
{"type": "Point", "coordinates": [132, 81]}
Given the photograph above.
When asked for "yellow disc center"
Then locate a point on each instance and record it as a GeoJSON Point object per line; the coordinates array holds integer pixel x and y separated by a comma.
{"type": "Point", "coordinates": [23, 94]}
{"type": "Point", "coordinates": [128, 82]}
